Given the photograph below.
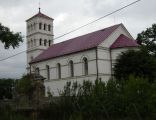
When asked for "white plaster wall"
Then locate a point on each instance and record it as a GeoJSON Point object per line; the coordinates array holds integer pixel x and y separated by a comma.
{"type": "Point", "coordinates": [54, 83]}
{"type": "Point", "coordinates": [58, 85]}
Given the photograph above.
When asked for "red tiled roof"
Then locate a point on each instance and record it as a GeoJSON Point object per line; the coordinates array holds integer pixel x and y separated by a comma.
{"type": "Point", "coordinates": [123, 41]}
{"type": "Point", "coordinates": [39, 14]}
{"type": "Point", "coordinates": [77, 44]}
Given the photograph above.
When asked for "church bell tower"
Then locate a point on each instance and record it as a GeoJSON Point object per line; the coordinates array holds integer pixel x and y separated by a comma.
{"type": "Point", "coordinates": [39, 35]}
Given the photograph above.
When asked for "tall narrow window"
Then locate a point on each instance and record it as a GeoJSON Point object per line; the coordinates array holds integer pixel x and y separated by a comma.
{"type": "Point", "coordinates": [40, 41]}
{"type": "Point", "coordinates": [48, 72]}
{"type": "Point", "coordinates": [45, 26]}
{"type": "Point", "coordinates": [28, 44]}
{"type": "Point", "coordinates": [45, 42]}
{"type": "Point", "coordinates": [34, 26]}
{"type": "Point", "coordinates": [85, 64]}
{"type": "Point", "coordinates": [31, 43]}
{"type": "Point", "coordinates": [34, 42]}
{"type": "Point", "coordinates": [71, 67]}
{"type": "Point", "coordinates": [49, 27]}
{"type": "Point", "coordinates": [59, 70]}
{"type": "Point", "coordinates": [31, 27]}
{"type": "Point", "coordinates": [49, 42]}
{"type": "Point", "coordinates": [37, 70]}
{"type": "Point", "coordinates": [40, 26]}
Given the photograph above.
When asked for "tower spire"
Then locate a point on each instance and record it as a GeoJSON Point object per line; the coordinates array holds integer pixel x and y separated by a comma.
{"type": "Point", "coordinates": [39, 8]}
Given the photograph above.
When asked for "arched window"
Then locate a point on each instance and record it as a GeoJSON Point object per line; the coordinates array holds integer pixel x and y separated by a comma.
{"type": "Point", "coordinates": [37, 70]}
{"type": "Point", "coordinates": [34, 26]}
{"type": "Point", "coordinates": [28, 28]}
{"type": "Point", "coordinates": [40, 41]}
{"type": "Point", "coordinates": [34, 42]}
{"type": "Point", "coordinates": [71, 68]}
{"type": "Point", "coordinates": [59, 70]}
{"type": "Point", "coordinates": [32, 58]}
{"type": "Point", "coordinates": [28, 44]}
{"type": "Point", "coordinates": [85, 65]}
{"type": "Point", "coordinates": [45, 26]}
{"type": "Point", "coordinates": [49, 42]}
{"type": "Point", "coordinates": [31, 43]}
{"type": "Point", "coordinates": [31, 27]}
{"type": "Point", "coordinates": [40, 26]}
{"type": "Point", "coordinates": [48, 72]}
{"type": "Point", "coordinates": [49, 27]}
{"type": "Point", "coordinates": [45, 42]}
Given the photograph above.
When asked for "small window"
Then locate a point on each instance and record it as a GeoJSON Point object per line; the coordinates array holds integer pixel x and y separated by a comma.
{"type": "Point", "coordinates": [49, 27]}
{"type": "Point", "coordinates": [59, 70]}
{"type": "Point", "coordinates": [34, 26]}
{"type": "Point", "coordinates": [85, 65]}
{"type": "Point", "coordinates": [48, 72]}
{"type": "Point", "coordinates": [45, 26]}
{"type": "Point", "coordinates": [31, 58]}
{"type": "Point", "coordinates": [28, 28]}
{"type": "Point", "coordinates": [37, 70]}
{"type": "Point", "coordinates": [71, 68]}
{"type": "Point", "coordinates": [49, 42]}
{"type": "Point", "coordinates": [40, 26]}
{"type": "Point", "coordinates": [31, 27]}
{"type": "Point", "coordinates": [31, 43]}
{"type": "Point", "coordinates": [34, 42]}
{"type": "Point", "coordinates": [40, 41]}
{"type": "Point", "coordinates": [28, 44]}
{"type": "Point", "coordinates": [45, 42]}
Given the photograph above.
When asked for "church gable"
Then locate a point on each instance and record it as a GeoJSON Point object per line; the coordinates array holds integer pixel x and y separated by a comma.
{"type": "Point", "coordinates": [114, 36]}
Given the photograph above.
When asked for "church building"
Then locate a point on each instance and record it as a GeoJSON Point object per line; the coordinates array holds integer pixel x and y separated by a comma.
{"type": "Point", "coordinates": [87, 57]}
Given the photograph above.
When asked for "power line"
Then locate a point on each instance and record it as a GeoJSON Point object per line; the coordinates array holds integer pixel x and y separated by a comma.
{"type": "Point", "coordinates": [13, 55]}
{"type": "Point", "coordinates": [82, 26]}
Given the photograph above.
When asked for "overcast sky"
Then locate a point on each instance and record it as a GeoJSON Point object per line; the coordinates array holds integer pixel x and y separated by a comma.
{"type": "Point", "coordinates": [69, 14]}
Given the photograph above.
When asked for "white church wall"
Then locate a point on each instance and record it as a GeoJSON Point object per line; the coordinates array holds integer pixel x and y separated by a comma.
{"type": "Point", "coordinates": [58, 85]}
{"type": "Point", "coordinates": [104, 61]}
{"type": "Point", "coordinates": [54, 83]}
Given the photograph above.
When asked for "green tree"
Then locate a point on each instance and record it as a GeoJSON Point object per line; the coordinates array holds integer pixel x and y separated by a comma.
{"type": "Point", "coordinates": [147, 39]}
{"type": "Point", "coordinates": [25, 85]}
{"type": "Point", "coordinates": [9, 38]}
{"type": "Point", "coordinates": [137, 63]}
{"type": "Point", "coordinates": [6, 87]}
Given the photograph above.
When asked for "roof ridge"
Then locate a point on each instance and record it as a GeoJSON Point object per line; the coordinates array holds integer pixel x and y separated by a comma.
{"type": "Point", "coordinates": [88, 33]}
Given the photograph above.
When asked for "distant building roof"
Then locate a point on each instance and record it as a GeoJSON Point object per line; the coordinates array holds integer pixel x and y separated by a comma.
{"type": "Point", "coordinates": [123, 41]}
{"type": "Point", "coordinates": [39, 14]}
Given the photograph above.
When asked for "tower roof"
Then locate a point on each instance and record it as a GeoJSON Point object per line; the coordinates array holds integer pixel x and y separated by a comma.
{"type": "Point", "coordinates": [41, 15]}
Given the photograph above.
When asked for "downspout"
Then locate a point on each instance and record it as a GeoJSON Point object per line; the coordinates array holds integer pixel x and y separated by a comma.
{"type": "Point", "coordinates": [111, 62]}
{"type": "Point", "coordinates": [97, 68]}
{"type": "Point", "coordinates": [30, 68]}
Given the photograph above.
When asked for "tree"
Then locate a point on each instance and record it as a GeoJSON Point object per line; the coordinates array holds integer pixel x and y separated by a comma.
{"type": "Point", "coordinates": [147, 39]}
{"type": "Point", "coordinates": [6, 87]}
{"type": "Point", "coordinates": [137, 63]}
{"type": "Point", "coordinates": [9, 38]}
{"type": "Point", "coordinates": [25, 85]}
